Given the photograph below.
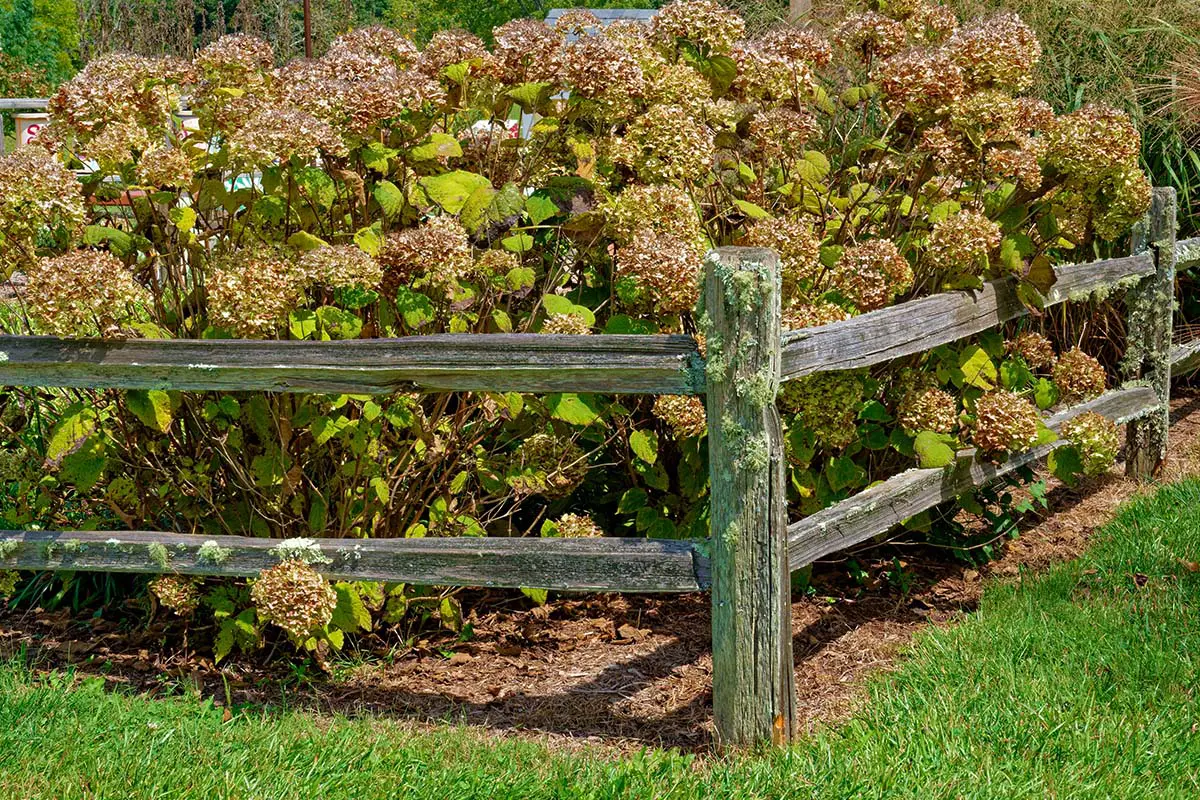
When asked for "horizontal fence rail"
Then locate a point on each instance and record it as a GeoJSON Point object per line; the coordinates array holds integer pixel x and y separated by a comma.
{"type": "Point", "coordinates": [1187, 254]}
{"type": "Point", "coordinates": [24, 103]}
{"type": "Point", "coordinates": [922, 324]}
{"type": "Point", "coordinates": [881, 507]}
{"type": "Point", "coordinates": [600, 564]}
{"type": "Point", "coordinates": [667, 364]}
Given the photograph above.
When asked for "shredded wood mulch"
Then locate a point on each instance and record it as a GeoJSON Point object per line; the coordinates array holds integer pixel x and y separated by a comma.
{"type": "Point", "coordinates": [619, 671]}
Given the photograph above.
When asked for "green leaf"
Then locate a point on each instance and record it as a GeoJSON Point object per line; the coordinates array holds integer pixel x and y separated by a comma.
{"type": "Point", "coordinates": [843, 473]}
{"type": "Point", "coordinates": [540, 207]}
{"type": "Point", "coordinates": [644, 445]}
{"type": "Point", "coordinates": [338, 324]}
{"type": "Point", "coordinates": [118, 241]}
{"type": "Point", "coordinates": [389, 197]}
{"type": "Point", "coordinates": [977, 368]}
{"type": "Point", "coordinates": [632, 500]}
{"type": "Point", "coordinates": [751, 210]}
{"type": "Point", "coordinates": [375, 156]}
{"type": "Point", "coordinates": [519, 278]}
{"type": "Point", "coordinates": [1065, 463]}
{"type": "Point", "coordinates": [76, 423]}
{"type": "Point", "coordinates": [576, 409]}
{"type": "Point", "coordinates": [622, 324]}
{"type": "Point", "coordinates": [84, 466]}
{"type": "Point", "coordinates": [450, 613]}
{"type": "Point", "coordinates": [538, 596]}
{"type": "Point", "coordinates": [933, 450]}
{"type": "Point", "coordinates": [1045, 393]}
{"type": "Point", "coordinates": [1015, 375]}
{"type": "Point", "coordinates": [450, 190]}
{"type": "Point", "coordinates": [305, 241]}
{"type": "Point", "coordinates": [183, 217]}
{"type": "Point", "coordinates": [152, 408]}
{"type": "Point", "coordinates": [416, 308]}
{"type": "Point", "coordinates": [369, 240]}
{"type": "Point", "coordinates": [518, 243]}
{"type": "Point", "coordinates": [530, 95]}
{"type": "Point", "coordinates": [438, 145]}
{"type": "Point", "coordinates": [350, 614]}
{"type": "Point", "coordinates": [302, 324]}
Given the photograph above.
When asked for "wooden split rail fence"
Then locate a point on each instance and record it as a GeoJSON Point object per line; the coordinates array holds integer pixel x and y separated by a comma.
{"type": "Point", "coordinates": [748, 560]}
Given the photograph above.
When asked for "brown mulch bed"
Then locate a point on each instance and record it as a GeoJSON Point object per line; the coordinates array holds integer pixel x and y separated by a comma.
{"type": "Point", "coordinates": [621, 671]}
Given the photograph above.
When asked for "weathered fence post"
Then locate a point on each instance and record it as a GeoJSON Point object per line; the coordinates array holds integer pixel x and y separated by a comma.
{"type": "Point", "coordinates": [753, 678]}
{"type": "Point", "coordinates": [1147, 360]}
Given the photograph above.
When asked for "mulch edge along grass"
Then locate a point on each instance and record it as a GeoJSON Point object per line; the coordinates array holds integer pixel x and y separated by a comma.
{"type": "Point", "coordinates": [1076, 683]}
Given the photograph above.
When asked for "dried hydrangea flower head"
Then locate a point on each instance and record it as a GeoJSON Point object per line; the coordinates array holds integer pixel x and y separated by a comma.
{"type": "Point", "coordinates": [236, 61]}
{"type": "Point", "coordinates": [577, 21]}
{"type": "Point", "coordinates": [84, 293]}
{"type": "Point", "coordinates": [341, 265]}
{"type": "Point", "coordinates": [662, 208]}
{"type": "Point", "coordinates": [295, 597]}
{"type": "Point", "coordinates": [447, 48]}
{"type": "Point", "coordinates": [165, 166]}
{"type": "Point", "coordinates": [374, 40]}
{"type": "Point", "coordinates": [36, 192]}
{"type": "Point", "coordinates": [668, 266]}
{"type": "Point", "coordinates": [178, 593]}
{"type": "Point", "coordinates": [930, 23]}
{"type": "Point", "coordinates": [768, 76]}
{"type": "Point", "coordinates": [813, 315]}
{"type": "Point", "coordinates": [549, 465]}
{"type": "Point", "coordinates": [783, 132]}
{"type": "Point", "coordinates": [437, 251]}
{"type": "Point", "coordinates": [920, 82]}
{"type": "Point", "coordinates": [704, 23]}
{"type": "Point", "coordinates": [930, 409]}
{"type": "Point", "coordinates": [597, 67]}
{"type": "Point", "coordinates": [251, 291]}
{"type": "Point", "coordinates": [798, 248]}
{"type": "Point", "coordinates": [117, 144]}
{"type": "Point", "coordinates": [998, 52]}
{"type": "Point", "coordinates": [1005, 422]}
{"type": "Point", "coordinates": [1123, 198]}
{"type": "Point", "coordinates": [1078, 377]}
{"type": "Point", "coordinates": [577, 526]}
{"type": "Point", "coordinates": [528, 50]}
{"type": "Point", "coordinates": [797, 46]}
{"type": "Point", "coordinates": [571, 324]}
{"type": "Point", "coordinates": [871, 36]}
{"type": "Point", "coordinates": [826, 403]}
{"type": "Point", "coordinates": [1034, 348]}
{"type": "Point", "coordinates": [121, 88]}
{"type": "Point", "coordinates": [684, 414]}
{"type": "Point", "coordinates": [871, 274]}
{"type": "Point", "coordinates": [282, 135]}
{"type": "Point", "coordinates": [1096, 439]}
{"type": "Point", "coordinates": [962, 243]}
{"type": "Point", "coordinates": [666, 144]}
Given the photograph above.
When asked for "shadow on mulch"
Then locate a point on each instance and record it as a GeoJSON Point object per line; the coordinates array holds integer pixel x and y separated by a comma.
{"type": "Point", "coordinates": [622, 671]}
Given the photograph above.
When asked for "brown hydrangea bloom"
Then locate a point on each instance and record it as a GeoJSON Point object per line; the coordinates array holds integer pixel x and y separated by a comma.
{"type": "Point", "coordinates": [282, 134]}
{"type": "Point", "coordinates": [577, 526]}
{"type": "Point", "coordinates": [595, 66]}
{"type": "Point", "coordinates": [577, 21]}
{"type": "Point", "coordinates": [928, 410]}
{"type": "Point", "coordinates": [251, 292]}
{"type": "Point", "coordinates": [1000, 52]}
{"type": "Point", "coordinates": [115, 145]}
{"type": "Point", "coordinates": [701, 22]}
{"type": "Point", "coordinates": [827, 403]}
{"type": "Point", "coordinates": [566, 324]}
{"type": "Point", "coordinates": [549, 465]}
{"type": "Point", "coordinates": [1034, 348]}
{"type": "Point", "coordinates": [667, 143]}
{"type": "Point", "coordinates": [374, 40]}
{"type": "Point", "coordinates": [165, 166]}
{"type": "Point", "coordinates": [930, 23]}
{"type": "Point", "coordinates": [962, 243]}
{"type": "Point", "coordinates": [1021, 163]}
{"type": "Point", "coordinates": [1005, 422]}
{"type": "Point", "coordinates": [871, 35]}
{"type": "Point", "coordinates": [341, 265]}
{"type": "Point", "coordinates": [295, 597]}
{"type": "Point", "coordinates": [1091, 141]}
{"type": "Point", "coordinates": [920, 82]}
{"type": "Point", "coordinates": [986, 116]}
{"type": "Point", "coordinates": [684, 414]}
{"type": "Point", "coordinates": [437, 249]}
{"type": "Point", "coordinates": [677, 84]}
{"type": "Point", "coordinates": [662, 208]}
{"type": "Point", "coordinates": [1097, 440]}
{"type": "Point", "coordinates": [1124, 195]}
{"type": "Point", "coordinates": [1033, 114]}
{"type": "Point", "coordinates": [668, 266]}
{"type": "Point", "coordinates": [1078, 377]}
{"type": "Point", "coordinates": [36, 191]}
{"type": "Point", "coordinates": [812, 315]}
{"type": "Point", "coordinates": [783, 132]}
{"type": "Point", "coordinates": [83, 293]}
{"type": "Point", "coordinates": [120, 87]}
{"type": "Point", "coordinates": [766, 74]}
{"type": "Point", "coordinates": [494, 264]}
{"type": "Point", "coordinates": [456, 47]}
{"type": "Point", "coordinates": [797, 45]}
{"type": "Point", "coordinates": [528, 50]}
{"type": "Point", "coordinates": [235, 60]}
{"type": "Point", "coordinates": [798, 247]}
{"type": "Point", "coordinates": [178, 593]}
{"type": "Point", "coordinates": [871, 274]}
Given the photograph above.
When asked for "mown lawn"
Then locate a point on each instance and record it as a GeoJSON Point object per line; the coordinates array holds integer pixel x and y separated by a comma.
{"type": "Point", "coordinates": [1079, 683]}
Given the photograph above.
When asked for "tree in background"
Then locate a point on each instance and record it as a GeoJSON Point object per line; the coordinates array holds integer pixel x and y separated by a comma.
{"type": "Point", "coordinates": [41, 36]}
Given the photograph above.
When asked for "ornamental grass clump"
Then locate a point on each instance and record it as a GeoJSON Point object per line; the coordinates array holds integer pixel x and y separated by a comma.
{"type": "Point", "coordinates": [562, 180]}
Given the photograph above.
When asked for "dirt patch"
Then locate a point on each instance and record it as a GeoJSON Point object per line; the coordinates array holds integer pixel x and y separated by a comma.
{"type": "Point", "coordinates": [621, 671]}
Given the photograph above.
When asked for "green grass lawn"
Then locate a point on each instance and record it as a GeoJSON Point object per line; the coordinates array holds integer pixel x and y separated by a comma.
{"type": "Point", "coordinates": [1078, 683]}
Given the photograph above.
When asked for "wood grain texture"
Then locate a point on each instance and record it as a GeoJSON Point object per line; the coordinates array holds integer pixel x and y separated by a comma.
{"type": "Point", "coordinates": [887, 504]}
{"type": "Point", "coordinates": [1185, 357]}
{"type": "Point", "coordinates": [24, 103]}
{"type": "Point", "coordinates": [925, 323]}
{"type": "Point", "coordinates": [444, 362]}
{"type": "Point", "coordinates": [1187, 254]}
{"type": "Point", "coordinates": [754, 698]}
{"type": "Point", "coordinates": [1149, 308]}
{"type": "Point", "coordinates": [601, 564]}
